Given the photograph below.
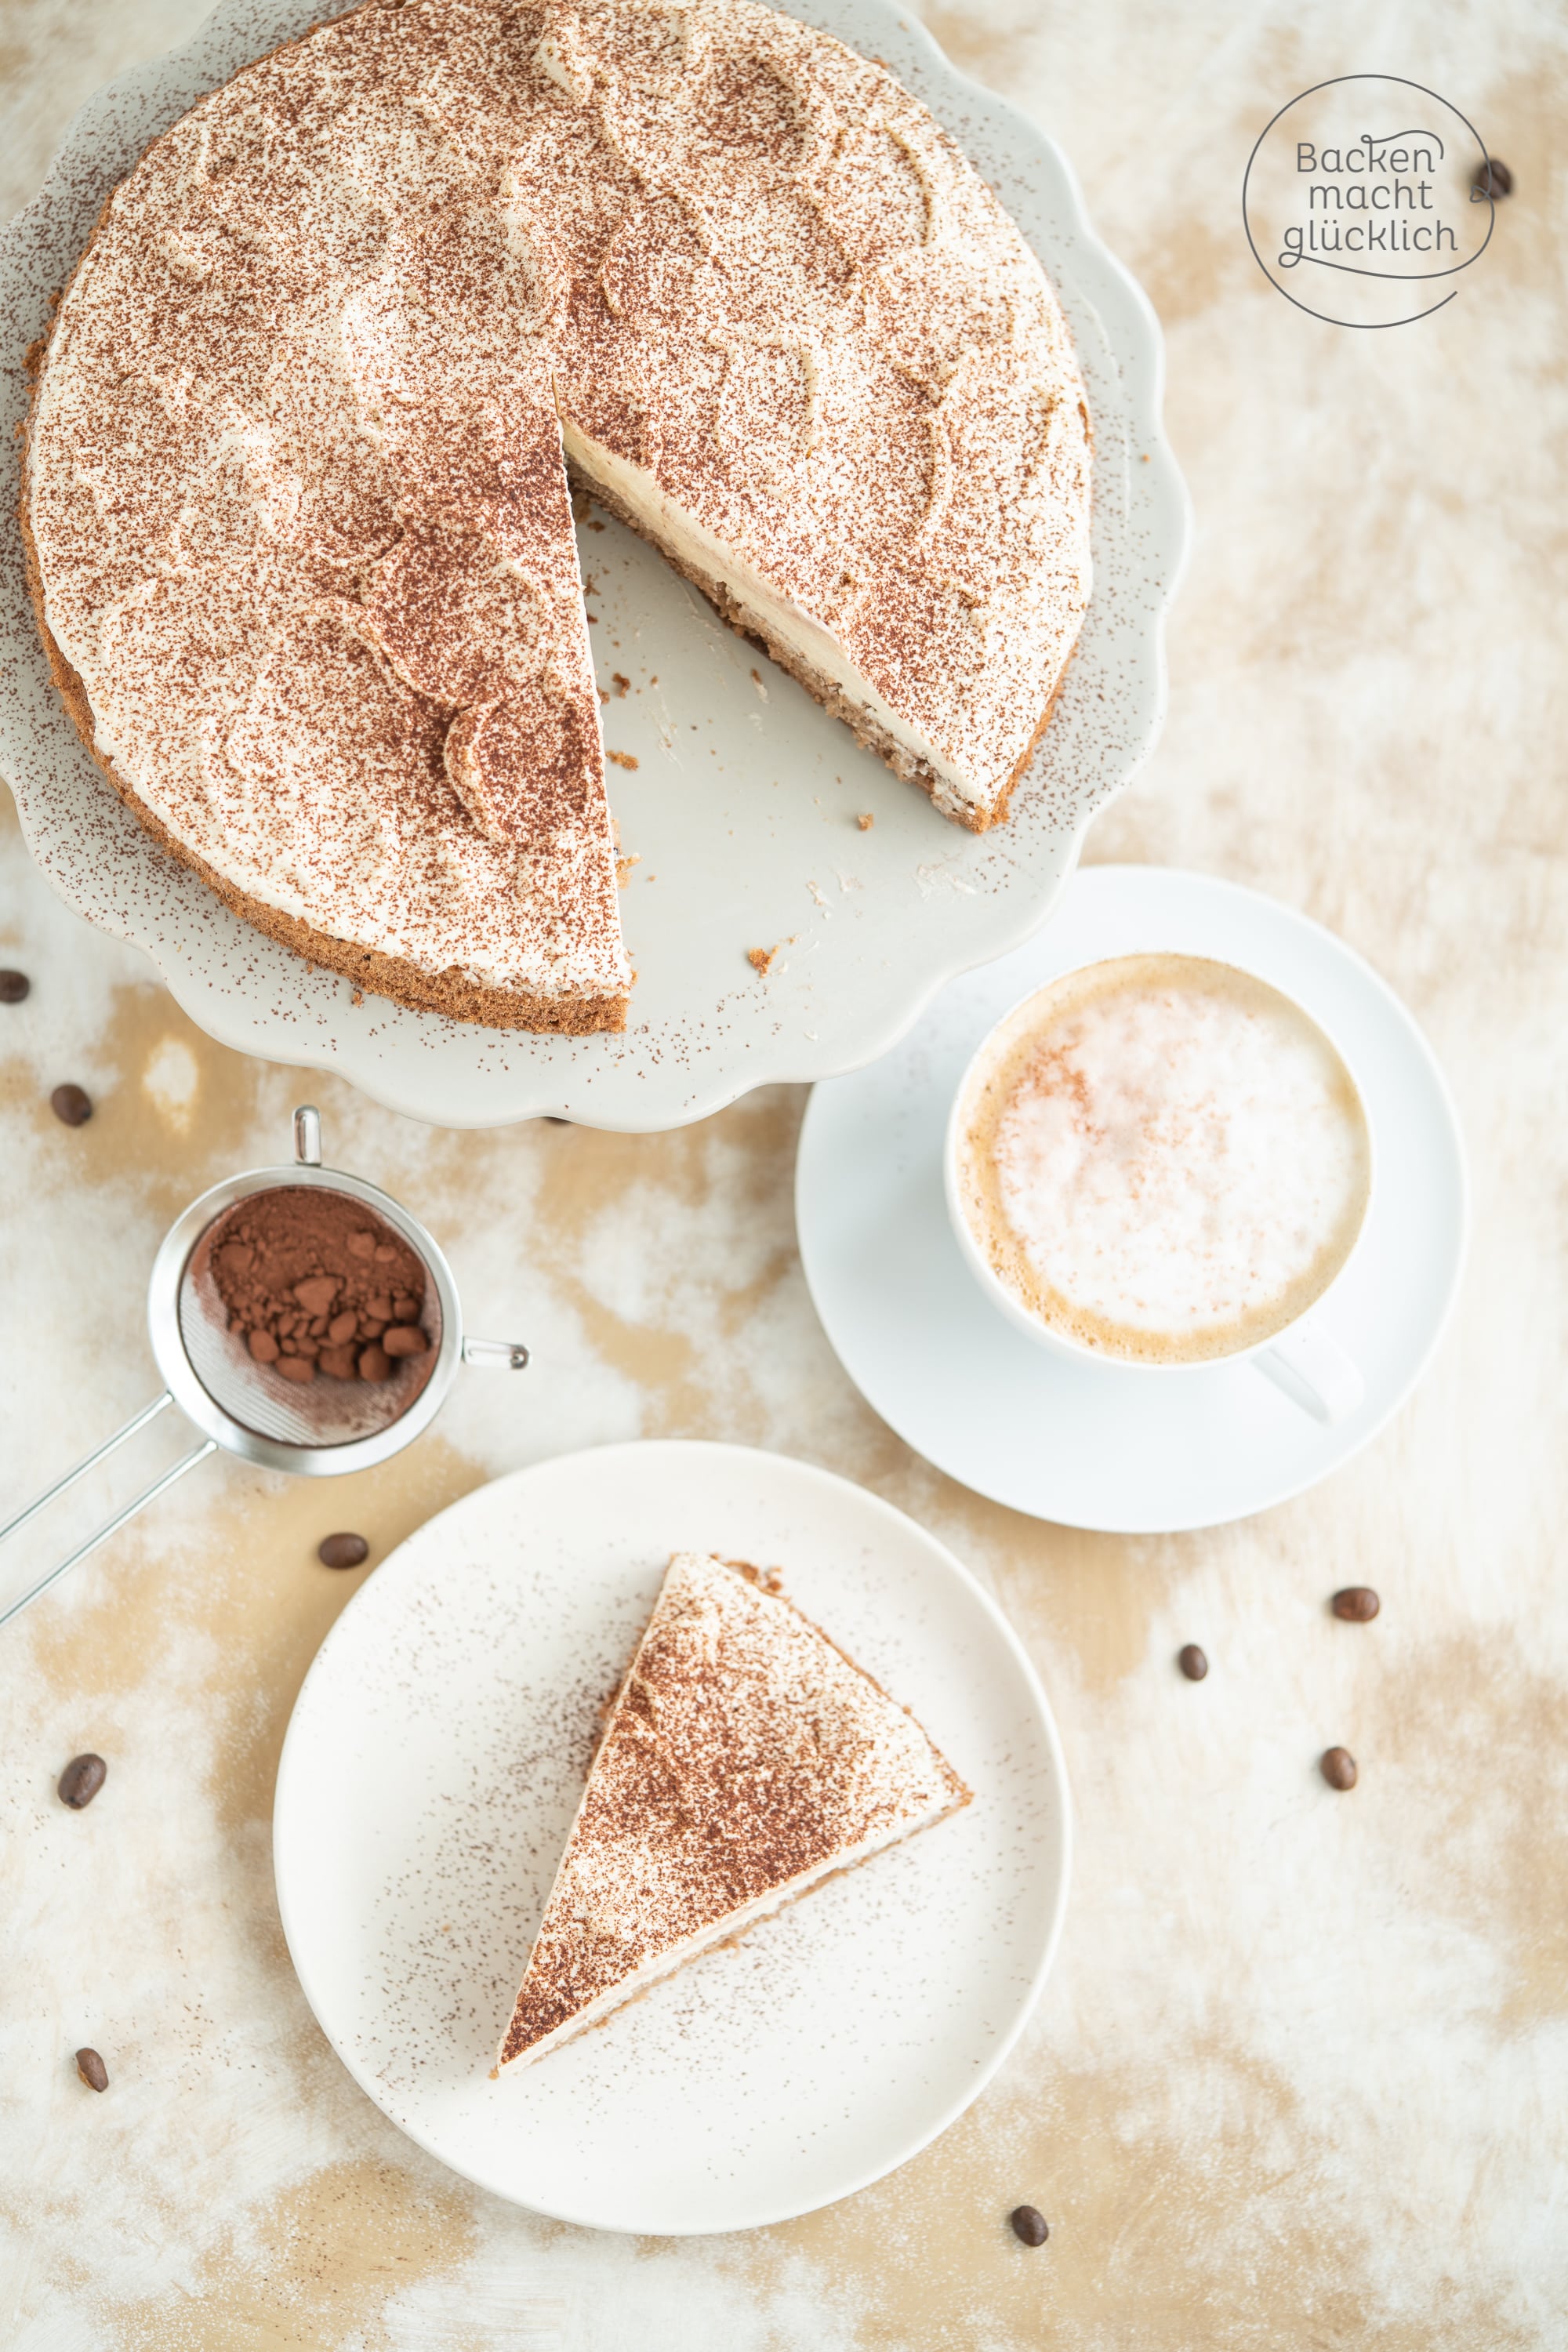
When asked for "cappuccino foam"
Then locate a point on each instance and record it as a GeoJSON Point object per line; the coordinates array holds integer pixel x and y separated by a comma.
{"type": "Point", "coordinates": [1164, 1158]}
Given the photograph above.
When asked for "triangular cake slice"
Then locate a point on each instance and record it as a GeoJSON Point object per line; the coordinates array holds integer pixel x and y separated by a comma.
{"type": "Point", "coordinates": [744, 1758]}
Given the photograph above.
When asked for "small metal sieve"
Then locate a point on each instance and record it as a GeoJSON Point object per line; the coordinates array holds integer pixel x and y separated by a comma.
{"type": "Point", "coordinates": [318, 1430]}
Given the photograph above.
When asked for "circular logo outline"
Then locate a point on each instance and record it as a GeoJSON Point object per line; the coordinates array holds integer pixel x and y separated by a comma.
{"type": "Point", "coordinates": [1409, 276]}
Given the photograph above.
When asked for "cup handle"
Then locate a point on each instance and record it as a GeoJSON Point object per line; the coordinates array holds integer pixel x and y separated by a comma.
{"type": "Point", "coordinates": [1313, 1371]}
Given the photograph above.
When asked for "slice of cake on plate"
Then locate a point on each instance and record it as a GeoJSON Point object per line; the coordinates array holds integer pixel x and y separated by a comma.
{"type": "Point", "coordinates": [744, 1758]}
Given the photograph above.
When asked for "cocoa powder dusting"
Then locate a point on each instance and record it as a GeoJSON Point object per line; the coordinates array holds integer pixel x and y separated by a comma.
{"type": "Point", "coordinates": [314, 1282]}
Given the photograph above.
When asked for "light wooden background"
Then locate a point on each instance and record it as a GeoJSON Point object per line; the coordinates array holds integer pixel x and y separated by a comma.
{"type": "Point", "coordinates": [1299, 2079]}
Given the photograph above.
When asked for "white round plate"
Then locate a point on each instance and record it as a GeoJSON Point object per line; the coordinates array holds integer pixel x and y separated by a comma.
{"type": "Point", "coordinates": [1101, 1446]}
{"type": "Point", "coordinates": [743, 808]}
{"type": "Point", "coordinates": [434, 1758]}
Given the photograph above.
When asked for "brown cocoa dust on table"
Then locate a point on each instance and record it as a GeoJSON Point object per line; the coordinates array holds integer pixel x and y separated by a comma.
{"type": "Point", "coordinates": [314, 1282]}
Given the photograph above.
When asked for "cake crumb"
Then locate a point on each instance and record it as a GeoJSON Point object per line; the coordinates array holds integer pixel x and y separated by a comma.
{"type": "Point", "coordinates": [621, 759]}
{"type": "Point", "coordinates": [761, 957]}
{"type": "Point", "coordinates": [622, 685]}
{"type": "Point", "coordinates": [623, 868]}
{"type": "Point", "coordinates": [757, 682]}
{"type": "Point", "coordinates": [866, 821]}
{"type": "Point", "coordinates": [770, 1579]}
{"type": "Point", "coordinates": [357, 997]}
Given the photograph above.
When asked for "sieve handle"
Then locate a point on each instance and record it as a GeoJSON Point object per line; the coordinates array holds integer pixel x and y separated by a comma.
{"type": "Point", "coordinates": [109, 1526]}
{"type": "Point", "coordinates": [138, 1421]}
{"type": "Point", "coordinates": [496, 1355]}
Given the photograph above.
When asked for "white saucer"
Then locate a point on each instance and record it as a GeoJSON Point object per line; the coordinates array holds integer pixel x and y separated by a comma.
{"type": "Point", "coordinates": [741, 797]}
{"type": "Point", "coordinates": [431, 1769]}
{"type": "Point", "coordinates": [1099, 1446]}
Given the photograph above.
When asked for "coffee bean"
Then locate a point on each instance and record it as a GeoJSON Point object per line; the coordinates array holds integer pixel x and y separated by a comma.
{"type": "Point", "coordinates": [14, 986]}
{"type": "Point", "coordinates": [92, 2069]}
{"type": "Point", "coordinates": [1337, 1766]}
{"type": "Point", "coordinates": [342, 1551]}
{"type": "Point", "coordinates": [375, 1364]}
{"type": "Point", "coordinates": [1193, 1663]}
{"type": "Point", "coordinates": [406, 1339]}
{"type": "Point", "coordinates": [71, 1105]}
{"type": "Point", "coordinates": [1030, 2224]}
{"type": "Point", "coordinates": [1493, 179]}
{"type": "Point", "coordinates": [1358, 1604]}
{"type": "Point", "coordinates": [82, 1779]}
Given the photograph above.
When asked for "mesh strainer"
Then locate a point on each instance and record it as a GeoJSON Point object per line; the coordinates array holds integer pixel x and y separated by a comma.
{"type": "Point", "coordinates": [249, 1408]}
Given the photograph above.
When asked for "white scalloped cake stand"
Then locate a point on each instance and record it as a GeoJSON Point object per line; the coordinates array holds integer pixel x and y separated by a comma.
{"type": "Point", "coordinates": [743, 803]}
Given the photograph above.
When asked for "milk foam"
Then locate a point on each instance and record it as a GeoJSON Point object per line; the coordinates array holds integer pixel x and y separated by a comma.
{"type": "Point", "coordinates": [1173, 1156]}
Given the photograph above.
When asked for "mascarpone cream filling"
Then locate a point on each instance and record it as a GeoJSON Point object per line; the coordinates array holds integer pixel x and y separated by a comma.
{"type": "Point", "coordinates": [685, 539]}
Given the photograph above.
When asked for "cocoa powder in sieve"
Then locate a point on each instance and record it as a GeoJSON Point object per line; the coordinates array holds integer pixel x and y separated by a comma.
{"type": "Point", "coordinates": [315, 1283]}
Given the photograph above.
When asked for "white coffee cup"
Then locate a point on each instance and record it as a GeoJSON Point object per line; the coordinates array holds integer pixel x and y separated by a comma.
{"type": "Point", "coordinates": [1298, 1355]}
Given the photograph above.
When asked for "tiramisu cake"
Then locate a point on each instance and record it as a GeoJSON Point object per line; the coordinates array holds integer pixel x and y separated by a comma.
{"type": "Point", "coordinates": [296, 493]}
{"type": "Point", "coordinates": [744, 1758]}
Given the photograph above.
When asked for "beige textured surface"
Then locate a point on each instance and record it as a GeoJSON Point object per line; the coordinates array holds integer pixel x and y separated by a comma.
{"type": "Point", "coordinates": [1299, 2079]}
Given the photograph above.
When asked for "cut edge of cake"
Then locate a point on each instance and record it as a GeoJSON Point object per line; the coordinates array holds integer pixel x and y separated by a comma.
{"type": "Point", "coordinates": [950, 1795]}
{"type": "Point", "coordinates": [812, 655]}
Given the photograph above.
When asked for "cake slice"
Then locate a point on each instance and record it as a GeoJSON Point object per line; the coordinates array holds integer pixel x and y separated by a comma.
{"type": "Point", "coordinates": [744, 1758]}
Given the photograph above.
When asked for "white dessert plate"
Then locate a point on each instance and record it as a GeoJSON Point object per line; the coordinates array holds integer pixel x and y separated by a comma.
{"type": "Point", "coordinates": [431, 1770]}
{"type": "Point", "coordinates": [742, 807]}
{"type": "Point", "coordinates": [1101, 1446]}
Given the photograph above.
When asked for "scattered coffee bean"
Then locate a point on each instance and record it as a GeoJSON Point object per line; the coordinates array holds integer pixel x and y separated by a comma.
{"type": "Point", "coordinates": [14, 986]}
{"type": "Point", "coordinates": [375, 1363]}
{"type": "Point", "coordinates": [404, 1339]}
{"type": "Point", "coordinates": [92, 2069]}
{"type": "Point", "coordinates": [1337, 1766]}
{"type": "Point", "coordinates": [342, 1551]}
{"type": "Point", "coordinates": [1193, 1663]}
{"type": "Point", "coordinates": [81, 1781]}
{"type": "Point", "coordinates": [1493, 179]}
{"type": "Point", "coordinates": [1030, 2224]}
{"type": "Point", "coordinates": [71, 1105]}
{"type": "Point", "coordinates": [1358, 1604]}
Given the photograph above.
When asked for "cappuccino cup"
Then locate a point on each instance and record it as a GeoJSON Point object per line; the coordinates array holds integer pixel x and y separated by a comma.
{"type": "Point", "coordinates": [1163, 1161]}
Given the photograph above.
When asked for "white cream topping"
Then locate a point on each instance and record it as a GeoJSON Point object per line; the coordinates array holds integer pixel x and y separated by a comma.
{"type": "Point", "coordinates": [295, 475]}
